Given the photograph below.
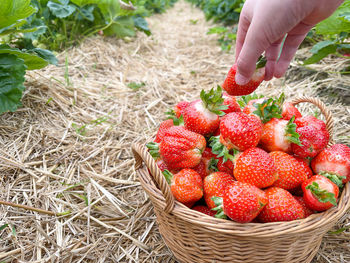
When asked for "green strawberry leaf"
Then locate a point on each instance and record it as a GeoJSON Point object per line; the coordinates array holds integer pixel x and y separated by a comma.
{"type": "Point", "coordinates": [321, 50]}
{"type": "Point", "coordinates": [213, 165]}
{"type": "Point", "coordinates": [12, 13]}
{"type": "Point", "coordinates": [336, 179]}
{"type": "Point", "coordinates": [290, 132]}
{"type": "Point", "coordinates": [168, 176]}
{"type": "Point", "coordinates": [35, 29]}
{"type": "Point", "coordinates": [141, 24]}
{"type": "Point", "coordinates": [12, 71]}
{"type": "Point", "coordinates": [213, 101]}
{"type": "Point", "coordinates": [62, 9]}
{"type": "Point", "coordinates": [153, 148]}
{"type": "Point", "coordinates": [243, 100]}
{"type": "Point", "coordinates": [268, 109]}
{"type": "Point", "coordinates": [219, 149]}
{"type": "Point", "coordinates": [218, 201]}
{"type": "Point", "coordinates": [177, 121]}
{"type": "Point", "coordinates": [322, 196]}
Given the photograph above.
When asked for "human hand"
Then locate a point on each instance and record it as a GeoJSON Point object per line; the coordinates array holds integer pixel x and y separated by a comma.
{"type": "Point", "coordinates": [264, 23]}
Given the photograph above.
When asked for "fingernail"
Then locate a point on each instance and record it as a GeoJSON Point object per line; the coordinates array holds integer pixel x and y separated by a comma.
{"type": "Point", "coordinates": [241, 80]}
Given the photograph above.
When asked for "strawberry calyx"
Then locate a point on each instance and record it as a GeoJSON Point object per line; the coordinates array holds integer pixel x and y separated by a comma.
{"type": "Point", "coordinates": [269, 108]}
{"type": "Point", "coordinates": [213, 101]}
{"type": "Point", "coordinates": [219, 207]}
{"type": "Point", "coordinates": [261, 62]}
{"type": "Point", "coordinates": [336, 179]}
{"type": "Point", "coordinates": [243, 101]}
{"type": "Point", "coordinates": [321, 195]}
{"type": "Point", "coordinates": [153, 148]}
{"type": "Point", "coordinates": [213, 165]}
{"type": "Point", "coordinates": [221, 150]}
{"type": "Point", "coordinates": [168, 176]}
{"type": "Point", "coordinates": [290, 132]}
{"type": "Point", "coordinates": [177, 121]}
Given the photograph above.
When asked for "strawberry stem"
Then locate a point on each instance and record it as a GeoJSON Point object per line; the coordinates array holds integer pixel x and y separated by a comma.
{"type": "Point", "coordinates": [322, 195]}
{"type": "Point", "coordinates": [153, 148]}
{"type": "Point", "coordinates": [177, 121]}
{"type": "Point", "coordinates": [290, 132]}
{"type": "Point", "coordinates": [261, 62]}
{"type": "Point", "coordinates": [267, 110]}
{"type": "Point", "coordinates": [336, 179]}
{"type": "Point", "coordinates": [213, 165]}
{"type": "Point", "coordinates": [219, 207]}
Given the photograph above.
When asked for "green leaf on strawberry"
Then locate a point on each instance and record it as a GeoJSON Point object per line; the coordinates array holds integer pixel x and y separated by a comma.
{"type": "Point", "coordinates": [219, 207]}
{"type": "Point", "coordinates": [269, 108]}
{"type": "Point", "coordinates": [243, 101]}
{"type": "Point", "coordinates": [219, 149]}
{"type": "Point", "coordinates": [336, 179]}
{"type": "Point", "coordinates": [177, 121]}
{"type": "Point", "coordinates": [322, 195]}
{"type": "Point", "coordinates": [153, 149]}
{"type": "Point", "coordinates": [213, 101]}
{"type": "Point", "coordinates": [291, 133]}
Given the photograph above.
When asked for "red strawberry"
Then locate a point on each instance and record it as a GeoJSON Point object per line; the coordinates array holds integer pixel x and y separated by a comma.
{"type": "Point", "coordinates": [320, 193]}
{"type": "Point", "coordinates": [241, 202]}
{"type": "Point", "coordinates": [306, 164]}
{"type": "Point", "coordinates": [250, 108]}
{"type": "Point", "coordinates": [186, 185]}
{"type": "Point", "coordinates": [278, 135]}
{"type": "Point", "coordinates": [290, 173]}
{"type": "Point", "coordinates": [240, 131]}
{"type": "Point", "coordinates": [204, 209]}
{"type": "Point", "coordinates": [202, 116]}
{"type": "Point", "coordinates": [314, 136]}
{"type": "Point", "coordinates": [161, 164]}
{"type": "Point", "coordinates": [281, 206]}
{"type": "Point", "coordinates": [289, 110]}
{"type": "Point", "coordinates": [162, 129]}
{"type": "Point", "coordinates": [234, 89]}
{"type": "Point", "coordinates": [256, 167]}
{"type": "Point", "coordinates": [231, 103]}
{"type": "Point", "coordinates": [180, 107]}
{"type": "Point", "coordinates": [180, 148]}
{"type": "Point", "coordinates": [214, 185]}
{"type": "Point", "coordinates": [307, 211]}
{"type": "Point", "coordinates": [333, 160]}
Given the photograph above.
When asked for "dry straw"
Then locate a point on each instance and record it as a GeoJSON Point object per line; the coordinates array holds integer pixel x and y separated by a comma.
{"type": "Point", "coordinates": [68, 149]}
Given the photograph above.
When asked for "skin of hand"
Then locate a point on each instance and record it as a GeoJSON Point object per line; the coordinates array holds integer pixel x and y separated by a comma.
{"type": "Point", "coordinates": [262, 26]}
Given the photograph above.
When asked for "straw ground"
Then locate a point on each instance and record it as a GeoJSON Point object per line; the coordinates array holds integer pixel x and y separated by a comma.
{"type": "Point", "coordinates": [67, 187]}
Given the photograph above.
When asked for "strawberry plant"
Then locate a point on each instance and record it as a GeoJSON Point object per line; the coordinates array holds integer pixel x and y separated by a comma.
{"type": "Point", "coordinates": [14, 60]}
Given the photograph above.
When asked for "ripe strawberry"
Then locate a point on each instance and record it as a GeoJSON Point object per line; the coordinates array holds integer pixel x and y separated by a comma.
{"type": "Point", "coordinates": [202, 116]}
{"type": "Point", "coordinates": [241, 202]}
{"type": "Point", "coordinates": [215, 185]}
{"type": "Point", "coordinates": [289, 110]}
{"type": "Point", "coordinates": [180, 107]}
{"type": "Point", "coordinates": [231, 103]}
{"type": "Point", "coordinates": [334, 160]}
{"type": "Point", "coordinates": [234, 89]}
{"type": "Point", "coordinates": [180, 148]}
{"type": "Point", "coordinates": [226, 167]}
{"type": "Point", "coordinates": [162, 129]}
{"type": "Point", "coordinates": [204, 209]}
{"type": "Point", "coordinates": [278, 135]}
{"type": "Point", "coordinates": [256, 167]}
{"type": "Point", "coordinates": [240, 131]}
{"type": "Point", "coordinates": [314, 136]}
{"type": "Point", "coordinates": [161, 164]}
{"type": "Point", "coordinates": [281, 206]}
{"type": "Point", "coordinates": [307, 211]}
{"type": "Point", "coordinates": [186, 185]}
{"type": "Point", "coordinates": [290, 172]}
{"type": "Point", "coordinates": [320, 193]}
{"type": "Point", "coordinates": [249, 108]}
{"type": "Point", "coordinates": [305, 164]}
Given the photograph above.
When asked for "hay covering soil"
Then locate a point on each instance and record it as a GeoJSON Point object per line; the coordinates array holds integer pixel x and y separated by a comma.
{"type": "Point", "coordinates": [67, 150]}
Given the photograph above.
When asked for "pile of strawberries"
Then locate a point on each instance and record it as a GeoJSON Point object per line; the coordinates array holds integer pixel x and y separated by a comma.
{"type": "Point", "coordinates": [249, 158]}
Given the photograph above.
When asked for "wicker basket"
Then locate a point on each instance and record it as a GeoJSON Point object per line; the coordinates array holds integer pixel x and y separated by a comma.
{"type": "Point", "coordinates": [194, 237]}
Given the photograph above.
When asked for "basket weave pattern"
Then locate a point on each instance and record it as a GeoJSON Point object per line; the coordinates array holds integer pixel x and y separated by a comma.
{"type": "Point", "coordinates": [195, 238]}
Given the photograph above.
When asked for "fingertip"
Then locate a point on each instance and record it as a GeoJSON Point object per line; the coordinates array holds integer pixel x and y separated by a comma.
{"type": "Point", "coordinates": [240, 79]}
{"type": "Point", "coordinates": [269, 70]}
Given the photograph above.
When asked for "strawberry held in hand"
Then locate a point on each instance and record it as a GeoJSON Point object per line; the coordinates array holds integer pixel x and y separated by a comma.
{"type": "Point", "coordinates": [281, 206]}
{"type": "Point", "coordinates": [334, 161]}
{"type": "Point", "coordinates": [186, 185]}
{"type": "Point", "coordinates": [320, 193]}
{"type": "Point", "coordinates": [256, 167]}
{"type": "Point", "coordinates": [202, 116]}
{"type": "Point", "coordinates": [234, 89]}
{"type": "Point", "coordinates": [241, 202]}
